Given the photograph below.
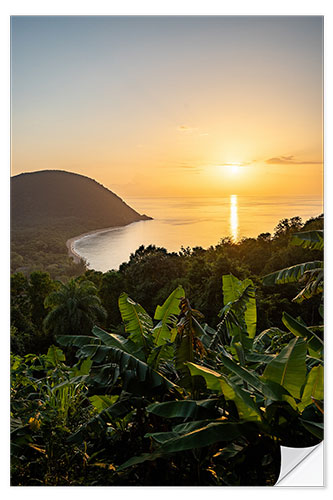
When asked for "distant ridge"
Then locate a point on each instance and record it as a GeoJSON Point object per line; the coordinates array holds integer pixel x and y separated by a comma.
{"type": "Point", "coordinates": [57, 198]}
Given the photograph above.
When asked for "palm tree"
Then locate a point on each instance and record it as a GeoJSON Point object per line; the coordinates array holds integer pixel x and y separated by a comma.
{"type": "Point", "coordinates": [75, 308]}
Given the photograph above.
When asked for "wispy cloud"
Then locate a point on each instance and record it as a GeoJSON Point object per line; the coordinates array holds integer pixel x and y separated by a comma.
{"type": "Point", "coordinates": [186, 166]}
{"type": "Point", "coordinates": [290, 160]}
{"type": "Point", "coordinates": [185, 129]}
{"type": "Point", "coordinates": [235, 163]}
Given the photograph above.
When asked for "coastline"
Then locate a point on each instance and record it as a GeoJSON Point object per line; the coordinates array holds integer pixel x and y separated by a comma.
{"type": "Point", "coordinates": [70, 242]}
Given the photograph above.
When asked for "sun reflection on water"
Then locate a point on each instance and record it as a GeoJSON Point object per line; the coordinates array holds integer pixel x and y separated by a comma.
{"type": "Point", "coordinates": [233, 220]}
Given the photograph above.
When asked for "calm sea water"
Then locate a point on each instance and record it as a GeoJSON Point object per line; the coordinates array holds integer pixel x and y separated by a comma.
{"type": "Point", "coordinates": [192, 222]}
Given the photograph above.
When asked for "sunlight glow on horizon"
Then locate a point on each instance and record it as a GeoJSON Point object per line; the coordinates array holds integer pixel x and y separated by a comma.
{"type": "Point", "coordinates": [235, 169]}
{"type": "Point", "coordinates": [168, 106]}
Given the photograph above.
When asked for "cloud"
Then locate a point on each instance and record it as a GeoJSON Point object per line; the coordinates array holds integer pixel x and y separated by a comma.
{"type": "Point", "coordinates": [235, 164]}
{"type": "Point", "coordinates": [187, 166]}
{"type": "Point", "coordinates": [186, 129]}
{"type": "Point", "coordinates": [290, 160]}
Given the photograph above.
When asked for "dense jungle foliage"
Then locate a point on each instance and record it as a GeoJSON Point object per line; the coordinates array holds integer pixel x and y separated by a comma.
{"type": "Point", "coordinates": [178, 369]}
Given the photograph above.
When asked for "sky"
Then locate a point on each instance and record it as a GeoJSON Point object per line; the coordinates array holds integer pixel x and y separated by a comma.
{"type": "Point", "coordinates": [171, 106]}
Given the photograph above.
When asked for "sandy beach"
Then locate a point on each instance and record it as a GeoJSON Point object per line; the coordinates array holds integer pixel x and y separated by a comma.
{"type": "Point", "coordinates": [70, 243]}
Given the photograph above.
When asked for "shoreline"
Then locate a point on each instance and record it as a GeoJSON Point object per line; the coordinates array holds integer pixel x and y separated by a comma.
{"type": "Point", "coordinates": [70, 242]}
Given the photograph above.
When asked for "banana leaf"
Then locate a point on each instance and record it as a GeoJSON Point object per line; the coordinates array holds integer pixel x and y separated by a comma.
{"type": "Point", "coordinates": [314, 286]}
{"type": "Point", "coordinates": [313, 240]}
{"type": "Point", "coordinates": [165, 314]}
{"type": "Point", "coordinates": [211, 433]}
{"type": "Point", "coordinates": [300, 330]}
{"type": "Point", "coordinates": [246, 407]}
{"type": "Point", "coordinates": [186, 408]}
{"type": "Point", "coordinates": [288, 368]}
{"type": "Point", "coordinates": [314, 387]}
{"type": "Point", "coordinates": [290, 274]}
{"type": "Point", "coordinates": [127, 362]}
{"type": "Point", "coordinates": [242, 293]}
{"type": "Point", "coordinates": [138, 323]}
{"type": "Point", "coordinates": [76, 340]}
{"type": "Point", "coordinates": [270, 390]}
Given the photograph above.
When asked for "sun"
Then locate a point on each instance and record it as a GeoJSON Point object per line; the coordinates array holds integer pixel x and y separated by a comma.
{"type": "Point", "coordinates": [234, 169]}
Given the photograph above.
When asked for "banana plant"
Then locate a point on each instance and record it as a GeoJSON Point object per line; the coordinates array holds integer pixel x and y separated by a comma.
{"type": "Point", "coordinates": [262, 386]}
{"type": "Point", "coordinates": [229, 386]}
{"type": "Point", "coordinates": [309, 274]}
{"type": "Point", "coordinates": [284, 381]}
{"type": "Point", "coordinates": [141, 359]}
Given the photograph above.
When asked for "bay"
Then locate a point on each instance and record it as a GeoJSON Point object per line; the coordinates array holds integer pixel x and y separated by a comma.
{"type": "Point", "coordinates": [191, 222]}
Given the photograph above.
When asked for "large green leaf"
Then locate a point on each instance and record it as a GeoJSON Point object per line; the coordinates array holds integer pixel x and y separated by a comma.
{"type": "Point", "coordinates": [271, 390]}
{"type": "Point", "coordinates": [299, 330]}
{"type": "Point", "coordinates": [290, 274]}
{"type": "Point", "coordinates": [314, 240]}
{"type": "Point", "coordinates": [126, 363]}
{"type": "Point", "coordinates": [314, 285]}
{"type": "Point", "coordinates": [257, 357]}
{"type": "Point", "coordinates": [185, 408]}
{"type": "Point", "coordinates": [233, 291]}
{"type": "Point", "coordinates": [187, 427]}
{"type": "Point", "coordinates": [114, 340]}
{"type": "Point", "coordinates": [137, 321]}
{"type": "Point", "coordinates": [160, 354]}
{"type": "Point", "coordinates": [111, 339]}
{"type": "Point", "coordinates": [213, 379]}
{"type": "Point", "coordinates": [76, 340]}
{"type": "Point", "coordinates": [288, 368]}
{"type": "Point", "coordinates": [213, 432]}
{"type": "Point", "coordinates": [162, 437]}
{"type": "Point", "coordinates": [246, 407]}
{"type": "Point", "coordinates": [314, 387]}
{"type": "Point", "coordinates": [164, 314]}
{"type": "Point", "coordinates": [233, 288]}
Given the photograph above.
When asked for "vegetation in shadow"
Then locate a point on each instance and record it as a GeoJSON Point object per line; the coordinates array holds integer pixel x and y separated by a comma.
{"type": "Point", "coordinates": [196, 375]}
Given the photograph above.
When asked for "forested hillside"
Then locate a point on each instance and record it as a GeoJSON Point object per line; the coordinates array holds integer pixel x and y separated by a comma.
{"type": "Point", "coordinates": [50, 206]}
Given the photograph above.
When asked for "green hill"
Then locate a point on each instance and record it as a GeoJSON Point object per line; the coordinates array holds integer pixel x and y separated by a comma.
{"type": "Point", "coordinates": [57, 197]}
{"type": "Point", "coordinates": [50, 206]}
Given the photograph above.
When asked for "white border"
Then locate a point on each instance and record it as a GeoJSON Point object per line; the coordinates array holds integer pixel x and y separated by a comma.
{"type": "Point", "coordinates": [147, 7]}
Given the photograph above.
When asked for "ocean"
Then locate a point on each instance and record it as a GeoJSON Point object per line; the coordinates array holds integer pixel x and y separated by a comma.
{"type": "Point", "coordinates": [192, 222]}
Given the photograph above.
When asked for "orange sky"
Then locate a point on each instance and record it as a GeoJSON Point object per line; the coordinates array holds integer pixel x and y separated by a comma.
{"type": "Point", "coordinates": [163, 106]}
